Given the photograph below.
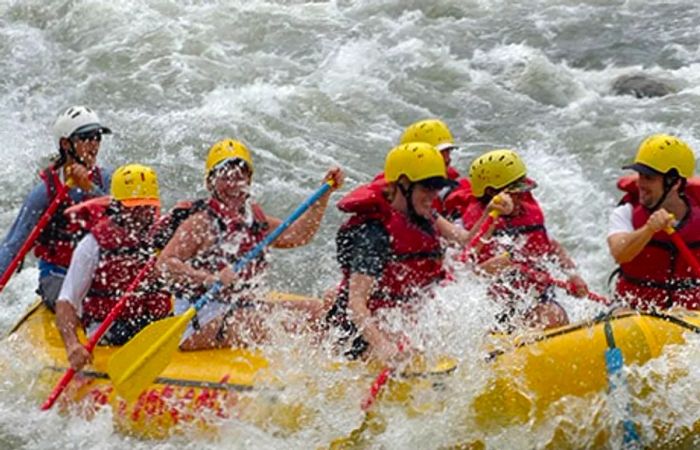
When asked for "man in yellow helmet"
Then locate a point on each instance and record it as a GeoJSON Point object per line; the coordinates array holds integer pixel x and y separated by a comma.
{"type": "Point", "coordinates": [436, 133]}
{"type": "Point", "coordinates": [651, 274]}
{"type": "Point", "coordinates": [207, 243]}
{"type": "Point", "coordinates": [390, 249]}
{"type": "Point", "coordinates": [107, 259]}
{"type": "Point", "coordinates": [519, 233]}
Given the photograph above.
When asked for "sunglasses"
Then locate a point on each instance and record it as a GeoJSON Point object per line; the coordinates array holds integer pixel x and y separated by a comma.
{"type": "Point", "coordinates": [520, 186]}
{"type": "Point", "coordinates": [232, 168]}
{"type": "Point", "coordinates": [88, 136]}
{"type": "Point", "coordinates": [433, 184]}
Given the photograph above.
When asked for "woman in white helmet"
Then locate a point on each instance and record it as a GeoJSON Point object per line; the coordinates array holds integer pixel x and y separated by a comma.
{"type": "Point", "coordinates": [78, 133]}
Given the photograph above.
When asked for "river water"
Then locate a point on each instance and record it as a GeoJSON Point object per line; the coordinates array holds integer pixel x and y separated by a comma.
{"type": "Point", "coordinates": [308, 85]}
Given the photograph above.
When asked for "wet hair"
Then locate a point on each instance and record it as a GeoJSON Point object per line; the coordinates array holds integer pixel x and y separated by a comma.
{"type": "Point", "coordinates": [60, 160]}
{"type": "Point", "coordinates": [489, 194]}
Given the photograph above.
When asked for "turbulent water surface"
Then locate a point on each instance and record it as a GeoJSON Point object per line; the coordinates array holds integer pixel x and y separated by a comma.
{"type": "Point", "coordinates": [308, 85]}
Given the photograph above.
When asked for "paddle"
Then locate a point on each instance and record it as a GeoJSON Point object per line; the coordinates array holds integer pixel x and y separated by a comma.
{"type": "Point", "coordinates": [444, 367]}
{"type": "Point", "coordinates": [538, 276]}
{"type": "Point", "coordinates": [97, 335]}
{"type": "Point", "coordinates": [381, 380]}
{"type": "Point", "coordinates": [142, 359]}
{"type": "Point", "coordinates": [493, 215]}
{"type": "Point", "coordinates": [376, 387]}
{"type": "Point", "coordinates": [684, 250]}
{"type": "Point", "coordinates": [61, 194]}
{"type": "Point", "coordinates": [569, 287]}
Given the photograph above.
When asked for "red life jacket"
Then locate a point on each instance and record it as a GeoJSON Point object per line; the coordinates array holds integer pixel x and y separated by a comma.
{"type": "Point", "coordinates": [456, 201]}
{"type": "Point", "coordinates": [57, 241]}
{"type": "Point", "coordinates": [88, 213]}
{"type": "Point", "coordinates": [659, 277]}
{"type": "Point", "coordinates": [234, 239]}
{"type": "Point", "coordinates": [523, 236]}
{"type": "Point", "coordinates": [416, 255]}
{"type": "Point", "coordinates": [452, 173]}
{"type": "Point", "coordinates": [122, 256]}
{"type": "Point", "coordinates": [529, 241]}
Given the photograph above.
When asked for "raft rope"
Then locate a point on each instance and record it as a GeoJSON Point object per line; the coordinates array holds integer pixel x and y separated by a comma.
{"type": "Point", "coordinates": [602, 317]}
{"type": "Point", "coordinates": [614, 364]}
{"type": "Point", "coordinates": [179, 382]}
{"type": "Point", "coordinates": [94, 374]}
{"type": "Point", "coordinates": [676, 321]}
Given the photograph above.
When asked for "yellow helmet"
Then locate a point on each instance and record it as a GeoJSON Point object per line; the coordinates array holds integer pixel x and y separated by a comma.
{"type": "Point", "coordinates": [228, 150]}
{"type": "Point", "coordinates": [418, 161]}
{"type": "Point", "coordinates": [662, 153]}
{"type": "Point", "coordinates": [432, 131]}
{"type": "Point", "coordinates": [496, 169]}
{"type": "Point", "coordinates": [135, 185]}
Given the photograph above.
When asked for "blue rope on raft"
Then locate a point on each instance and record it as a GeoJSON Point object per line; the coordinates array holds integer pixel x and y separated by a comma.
{"type": "Point", "coordinates": [614, 364]}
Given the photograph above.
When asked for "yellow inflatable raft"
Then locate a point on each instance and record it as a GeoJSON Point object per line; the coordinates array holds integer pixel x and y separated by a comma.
{"type": "Point", "coordinates": [197, 391]}
{"type": "Point", "coordinates": [532, 380]}
{"type": "Point", "coordinates": [527, 381]}
{"type": "Point", "coordinates": [551, 389]}
{"type": "Point", "coordinates": [197, 388]}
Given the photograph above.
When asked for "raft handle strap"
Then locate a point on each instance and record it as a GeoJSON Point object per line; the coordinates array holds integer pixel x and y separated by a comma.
{"type": "Point", "coordinates": [614, 364]}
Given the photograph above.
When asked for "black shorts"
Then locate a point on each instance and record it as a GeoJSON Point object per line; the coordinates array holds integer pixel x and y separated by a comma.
{"type": "Point", "coordinates": [49, 288]}
{"type": "Point", "coordinates": [122, 330]}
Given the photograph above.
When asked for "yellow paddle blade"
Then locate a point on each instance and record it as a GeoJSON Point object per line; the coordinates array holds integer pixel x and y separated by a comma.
{"type": "Point", "coordinates": [444, 365]}
{"type": "Point", "coordinates": [420, 368]}
{"type": "Point", "coordinates": [139, 362]}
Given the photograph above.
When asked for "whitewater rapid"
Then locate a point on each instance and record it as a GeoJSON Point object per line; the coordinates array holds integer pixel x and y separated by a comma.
{"type": "Point", "coordinates": [308, 85]}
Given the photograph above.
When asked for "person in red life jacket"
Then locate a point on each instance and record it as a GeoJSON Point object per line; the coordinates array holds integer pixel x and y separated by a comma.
{"type": "Point", "coordinates": [436, 133]}
{"type": "Point", "coordinates": [208, 242]}
{"type": "Point", "coordinates": [517, 241]}
{"type": "Point", "coordinates": [390, 249]}
{"type": "Point", "coordinates": [105, 262]}
{"type": "Point", "coordinates": [78, 133]}
{"type": "Point", "coordinates": [652, 274]}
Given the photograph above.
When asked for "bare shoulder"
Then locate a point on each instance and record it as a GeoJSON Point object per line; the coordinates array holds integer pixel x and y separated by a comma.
{"type": "Point", "coordinates": [192, 234]}
{"type": "Point", "coordinates": [199, 223]}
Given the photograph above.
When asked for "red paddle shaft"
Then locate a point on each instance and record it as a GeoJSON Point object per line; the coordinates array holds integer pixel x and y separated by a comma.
{"type": "Point", "coordinates": [97, 335]}
{"type": "Point", "coordinates": [61, 194]}
{"type": "Point", "coordinates": [568, 286]}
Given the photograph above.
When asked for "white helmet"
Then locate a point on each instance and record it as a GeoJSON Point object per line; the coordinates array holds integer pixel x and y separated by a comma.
{"type": "Point", "coordinates": [77, 119]}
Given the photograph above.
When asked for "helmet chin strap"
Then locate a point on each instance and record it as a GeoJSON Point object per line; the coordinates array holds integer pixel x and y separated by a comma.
{"type": "Point", "coordinates": [74, 154]}
{"type": "Point", "coordinates": [669, 181]}
{"type": "Point", "coordinates": [407, 192]}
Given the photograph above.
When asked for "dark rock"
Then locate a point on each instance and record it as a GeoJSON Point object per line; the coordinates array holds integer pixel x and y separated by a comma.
{"type": "Point", "coordinates": [641, 86]}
